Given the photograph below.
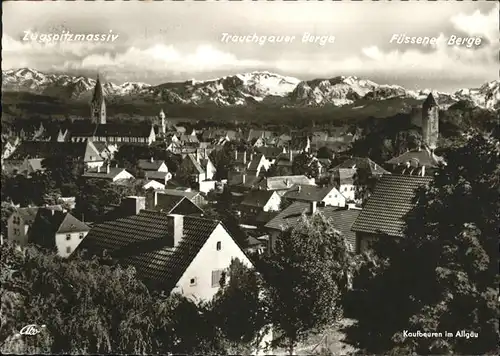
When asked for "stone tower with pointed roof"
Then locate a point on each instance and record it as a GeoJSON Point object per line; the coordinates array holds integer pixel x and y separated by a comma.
{"type": "Point", "coordinates": [98, 105]}
{"type": "Point", "coordinates": [430, 122]}
{"type": "Point", "coordinates": [163, 124]}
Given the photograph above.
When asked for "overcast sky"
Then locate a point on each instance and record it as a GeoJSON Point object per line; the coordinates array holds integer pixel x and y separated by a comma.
{"type": "Point", "coordinates": [172, 41]}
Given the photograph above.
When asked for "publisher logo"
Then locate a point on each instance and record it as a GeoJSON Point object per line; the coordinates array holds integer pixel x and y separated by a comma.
{"type": "Point", "coordinates": [31, 329]}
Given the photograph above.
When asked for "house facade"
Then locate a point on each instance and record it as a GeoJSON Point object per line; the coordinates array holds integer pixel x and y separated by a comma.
{"type": "Point", "coordinates": [19, 223]}
{"type": "Point", "coordinates": [201, 279]}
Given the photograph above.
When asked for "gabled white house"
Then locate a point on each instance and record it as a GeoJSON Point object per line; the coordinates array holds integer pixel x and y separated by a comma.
{"type": "Point", "coordinates": [194, 256]}
{"type": "Point", "coordinates": [109, 173]}
{"type": "Point", "coordinates": [323, 196]}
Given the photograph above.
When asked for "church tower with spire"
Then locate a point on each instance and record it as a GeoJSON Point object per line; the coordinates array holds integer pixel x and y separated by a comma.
{"type": "Point", "coordinates": [98, 105]}
{"type": "Point", "coordinates": [430, 122]}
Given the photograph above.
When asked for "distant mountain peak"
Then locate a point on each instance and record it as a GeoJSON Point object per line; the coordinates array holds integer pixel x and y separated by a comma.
{"type": "Point", "coordinates": [256, 87]}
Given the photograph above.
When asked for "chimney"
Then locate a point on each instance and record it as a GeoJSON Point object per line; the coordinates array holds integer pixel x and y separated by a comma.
{"type": "Point", "coordinates": [313, 207]}
{"type": "Point", "coordinates": [251, 157]}
{"type": "Point", "coordinates": [155, 199]}
{"type": "Point", "coordinates": [107, 168]}
{"type": "Point", "coordinates": [243, 178]}
{"type": "Point", "coordinates": [299, 188]}
{"type": "Point", "coordinates": [134, 204]}
{"type": "Point", "coordinates": [291, 155]}
{"type": "Point", "coordinates": [175, 227]}
{"type": "Point", "coordinates": [423, 171]}
{"type": "Point", "coordinates": [205, 153]}
{"type": "Point", "coordinates": [152, 159]}
{"type": "Point", "coordinates": [245, 157]}
{"type": "Point", "coordinates": [235, 154]}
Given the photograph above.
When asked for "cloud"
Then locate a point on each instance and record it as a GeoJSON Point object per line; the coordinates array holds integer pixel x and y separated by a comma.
{"type": "Point", "coordinates": [477, 24]}
{"type": "Point", "coordinates": [162, 61]}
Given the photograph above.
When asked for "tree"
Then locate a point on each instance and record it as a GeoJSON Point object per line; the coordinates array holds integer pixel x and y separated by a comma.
{"type": "Point", "coordinates": [93, 306]}
{"type": "Point", "coordinates": [443, 275]}
{"type": "Point", "coordinates": [7, 210]}
{"type": "Point", "coordinates": [364, 183]}
{"type": "Point", "coordinates": [95, 195]}
{"type": "Point", "coordinates": [276, 171]}
{"type": "Point", "coordinates": [303, 164]}
{"type": "Point", "coordinates": [325, 152]}
{"type": "Point", "coordinates": [307, 274]}
{"type": "Point", "coordinates": [241, 299]}
{"type": "Point", "coordinates": [63, 170]}
{"type": "Point", "coordinates": [223, 162]}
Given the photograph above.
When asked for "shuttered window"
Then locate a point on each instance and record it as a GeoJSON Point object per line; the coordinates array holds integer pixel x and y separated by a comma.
{"type": "Point", "coordinates": [216, 277]}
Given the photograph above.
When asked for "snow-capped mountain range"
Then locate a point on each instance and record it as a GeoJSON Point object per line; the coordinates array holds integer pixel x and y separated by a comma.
{"type": "Point", "coordinates": [243, 89]}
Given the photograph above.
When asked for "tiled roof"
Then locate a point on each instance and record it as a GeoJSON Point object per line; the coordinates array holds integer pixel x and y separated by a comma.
{"type": "Point", "coordinates": [341, 218]}
{"type": "Point", "coordinates": [148, 165]}
{"type": "Point", "coordinates": [250, 180]}
{"type": "Point", "coordinates": [123, 130]}
{"type": "Point", "coordinates": [167, 203]}
{"type": "Point", "coordinates": [100, 146]}
{"type": "Point", "coordinates": [190, 195]}
{"type": "Point", "coordinates": [155, 175]}
{"type": "Point", "coordinates": [82, 128]}
{"type": "Point", "coordinates": [387, 206]}
{"type": "Point", "coordinates": [72, 224]}
{"type": "Point", "coordinates": [28, 214]}
{"type": "Point", "coordinates": [265, 216]}
{"type": "Point", "coordinates": [258, 198]}
{"type": "Point", "coordinates": [362, 163]}
{"type": "Point", "coordinates": [284, 182]}
{"type": "Point", "coordinates": [36, 164]}
{"type": "Point", "coordinates": [45, 149]}
{"type": "Point", "coordinates": [417, 158]}
{"type": "Point", "coordinates": [101, 173]}
{"type": "Point", "coordinates": [308, 192]}
{"type": "Point", "coordinates": [195, 163]}
{"type": "Point", "coordinates": [144, 241]}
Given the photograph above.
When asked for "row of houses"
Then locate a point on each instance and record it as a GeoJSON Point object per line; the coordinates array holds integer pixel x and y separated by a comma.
{"type": "Point", "coordinates": [172, 244]}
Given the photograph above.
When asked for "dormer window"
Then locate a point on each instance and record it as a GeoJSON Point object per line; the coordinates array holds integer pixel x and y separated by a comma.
{"type": "Point", "coordinates": [219, 245]}
{"type": "Point", "coordinates": [68, 237]}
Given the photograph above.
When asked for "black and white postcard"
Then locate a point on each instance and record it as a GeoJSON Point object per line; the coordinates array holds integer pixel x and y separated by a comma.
{"type": "Point", "coordinates": [250, 177]}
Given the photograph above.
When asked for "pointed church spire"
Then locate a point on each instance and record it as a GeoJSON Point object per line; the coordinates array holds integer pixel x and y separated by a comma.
{"type": "Point", "coordinates": [430, 101]}
{"type": "Point", "coordinates": [97, 105]}
{"type": "Point", "coordinates": [98, 95]}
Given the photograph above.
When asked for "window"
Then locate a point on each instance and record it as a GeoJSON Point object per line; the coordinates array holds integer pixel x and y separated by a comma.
{"type": "Point", "coordinates": [68, 237]}
{"type": "Point", "coordinates": [80, 235]}
{"type": "Point", "coordinates": [217, 278]}
{"type": "Point", "coordinates": [68, 249]}
{"type": "Point", "coordinates": [219, 245]}
{"type": "Point", "coordinates": [192, 282]}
